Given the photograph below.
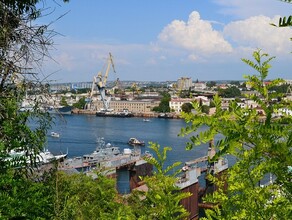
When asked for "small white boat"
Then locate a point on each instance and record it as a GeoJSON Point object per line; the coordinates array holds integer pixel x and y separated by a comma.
{"type": "Point", "coordinates": [135, 142]}
{"type": "Point", "coordinates": [55, 134]}
{"type": "Point", "coordinates": [146, 120]}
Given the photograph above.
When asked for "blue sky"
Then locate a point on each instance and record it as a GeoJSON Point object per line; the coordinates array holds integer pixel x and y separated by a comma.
{"type": "Point", "coordinates": [161, 40]}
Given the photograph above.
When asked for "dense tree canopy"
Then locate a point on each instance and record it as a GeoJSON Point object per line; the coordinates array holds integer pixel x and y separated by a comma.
{"type": "Point", "coordinates": [230, 92]}
{"type": "Point", "coordinates": [187, 107]}
{"type": "Point", "coordinates": [164, 103]}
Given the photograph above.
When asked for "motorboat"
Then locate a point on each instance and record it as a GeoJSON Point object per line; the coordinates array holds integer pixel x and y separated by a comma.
{"type": "Point", "coordinates": [55, 134]}
{"type": "Point", "coordinates": [146, 120]}
{"type": "Point", "coordinates": [135, 142]}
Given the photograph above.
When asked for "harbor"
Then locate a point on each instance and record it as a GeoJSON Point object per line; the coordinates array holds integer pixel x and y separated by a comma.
{"type": "Point", "coordinates": [79, 134]}
{"type": "Point", "coordinates": [127, 166]}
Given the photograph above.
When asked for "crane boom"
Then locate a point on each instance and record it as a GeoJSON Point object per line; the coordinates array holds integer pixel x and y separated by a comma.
{"type": "Point", "coordinates": [102, 81]}
{"type": "Point", "coordinates": [99, 81]}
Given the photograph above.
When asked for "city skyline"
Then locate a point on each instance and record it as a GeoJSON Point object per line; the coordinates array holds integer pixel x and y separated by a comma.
{"type": "Point", "coordinates": [164, 40]}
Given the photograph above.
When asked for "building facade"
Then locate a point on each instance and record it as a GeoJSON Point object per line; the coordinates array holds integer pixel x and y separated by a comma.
{"type": "Point", "coordinates": [184, 83]}
{"type": "Point", "coordinates": [136, 106]}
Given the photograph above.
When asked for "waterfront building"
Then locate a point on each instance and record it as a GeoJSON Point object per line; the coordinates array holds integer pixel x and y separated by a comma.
{"type": "Point", "coordinates": [175, 104]}
{"type": "Point", "coordinates": [136, 106]}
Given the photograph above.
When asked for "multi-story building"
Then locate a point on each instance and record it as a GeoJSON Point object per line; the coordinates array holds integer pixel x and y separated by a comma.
{"type": "Point", "coordinates": [176, 104]}
{"type": "Point", "coordinates": [136, 106]}
{"type": "Point", "coordinates": [199, 86]}
{"type": "Point", "coordinates": [184, 83]}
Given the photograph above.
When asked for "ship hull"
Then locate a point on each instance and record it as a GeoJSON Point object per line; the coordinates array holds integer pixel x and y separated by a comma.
{"type": "Point", "coordinates": [114, 114]}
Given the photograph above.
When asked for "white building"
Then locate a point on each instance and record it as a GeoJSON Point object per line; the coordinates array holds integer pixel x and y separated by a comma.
{"type": "Point", "coordinates": [199, 86]}
{"type": "Point", "coordinates": [176, 104]}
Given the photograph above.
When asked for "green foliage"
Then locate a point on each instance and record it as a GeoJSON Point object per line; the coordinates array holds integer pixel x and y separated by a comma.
{"type": "Point", "coordinates": [261, 146]}
{"type": "Point", "coordinates": [23, 198]}
{"type": "Point", "coordinates": [162, 199]}
{"type": "Point", "coordinates": [161, 159]}
{"type": "Point", "coordinates": [285, 22]}
{"type": "Point", "coordinates": [280, 88]}
{"type": "Point", "coordinates": [187, 107]}
{"type": "Point", "coordinates": [205, 109]}
{"type": "Point", "coordinates": [63, 101]}
{"type": "Point", "coordinates": [230, 92]}
{"type": "Point", "coordinates": [164, 103]}
{"type": "Point", "coordinates": [80, 197]}
{"type": "Point", "coordinates": [211, 84]}
{"type": "Point", "coordinates": [236, 83]}
{"type": "Point", "coordinates": [80, 104]}
{"type": "Point", "coordinates": [17, 135]}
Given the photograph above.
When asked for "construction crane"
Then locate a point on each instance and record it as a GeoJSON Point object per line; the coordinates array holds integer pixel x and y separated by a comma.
{"type": "Point", "coordinates": [99, 81]}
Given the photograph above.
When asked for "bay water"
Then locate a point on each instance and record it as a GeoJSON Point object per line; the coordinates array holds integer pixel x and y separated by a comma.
{"type": "Point", "coordinates": [79, 134]}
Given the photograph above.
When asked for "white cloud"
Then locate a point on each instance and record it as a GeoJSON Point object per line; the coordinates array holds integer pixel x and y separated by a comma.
{"type": "Point", "coordinates": [257, 32]}
{"type": "Point", "coordinates": [195, 35]}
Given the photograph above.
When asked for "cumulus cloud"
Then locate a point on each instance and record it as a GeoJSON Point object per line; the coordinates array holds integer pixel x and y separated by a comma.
{"type": "Point", "coordinates": [257, 32]}
{"type": "Point", "coordinates": [195, 35]}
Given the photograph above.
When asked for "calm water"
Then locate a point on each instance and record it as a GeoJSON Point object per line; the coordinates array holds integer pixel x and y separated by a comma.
{"type": "Point", "coordinates": [78, 134]}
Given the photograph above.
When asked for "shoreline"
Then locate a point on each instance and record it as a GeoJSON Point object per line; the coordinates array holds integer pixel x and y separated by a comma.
{"type": "Point", "coordinates": [140, 115]}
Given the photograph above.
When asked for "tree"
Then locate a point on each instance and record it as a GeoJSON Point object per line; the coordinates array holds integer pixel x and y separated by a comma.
{"type": "Point", "coordinates": [164, 103]}
{"type": "Point", "coordinates": [79, 196]}
{"type": "Point", "coordinates": [22, 48]}
{"type": "Point", "coordinates": [162, 199]}
{"type": "Point", "coordinates": [236, 83]}
{"type": "Point", "coordinates": [230, 92]}
{"type": "Point", "coordinates": [261, 146]}
{"type": "Point", "coordinates": [205, 109]}
{"type": "Point", "coordinates": [23, 45]}
{"type": "Point", "coordinates": [63, 101]}
{"type": "Point", "coordinates": [211, 84]}
{"type": "Point", "coordinates": [187, 107]}
{"type": "Point", "coordinates": [80, 104]}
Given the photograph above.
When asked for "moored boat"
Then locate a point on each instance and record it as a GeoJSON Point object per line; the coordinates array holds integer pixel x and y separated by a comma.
{"type": "Point", "coordinates": [135, 142]}
{"type": "Point", "coordinates": [120, 114]}
{"type": "Point", "coordinates": [42, 157]}
{"type": "Point", "coordinates": [63, 110]}
{"type": "Point", "coordinates": [104, 157]}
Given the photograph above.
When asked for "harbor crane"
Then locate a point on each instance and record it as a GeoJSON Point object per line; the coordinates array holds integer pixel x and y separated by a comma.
{"type": "Point", "coordinates": [99, 81]}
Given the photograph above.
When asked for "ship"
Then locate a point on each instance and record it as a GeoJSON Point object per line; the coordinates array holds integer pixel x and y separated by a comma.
{"type": "Point", "coordinates": [120, 114]}
{"type": "Point", "coordinates": [43, 157]}
{"type": "Point", "coordinates": [63, 110]}
{"type": "Point", "coordinates": [106, 156]}
{"type": "Point", "coordinates": [165, 115]}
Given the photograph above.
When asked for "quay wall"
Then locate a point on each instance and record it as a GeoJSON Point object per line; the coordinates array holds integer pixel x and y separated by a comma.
{"type": "Point", "coordinates": [136, 114]}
